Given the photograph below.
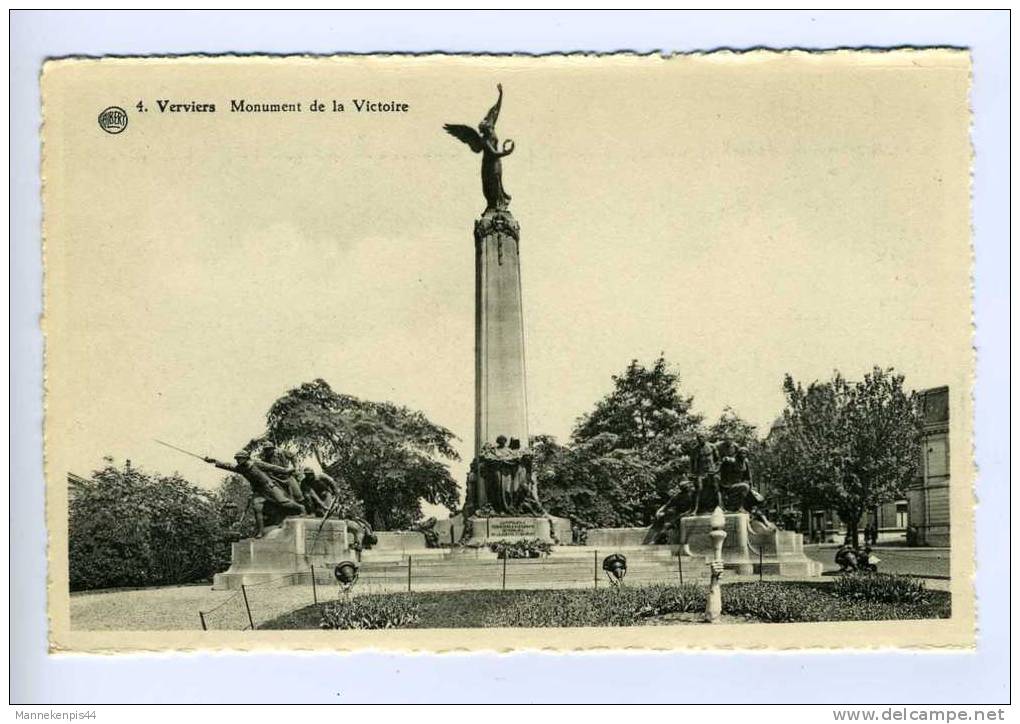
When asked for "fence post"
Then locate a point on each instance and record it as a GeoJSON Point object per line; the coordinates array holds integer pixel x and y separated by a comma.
{"type": "Point", "coordinates": [408, 573]}
{"type": "Point", "coordinates": [680, 566]}
{"type": "Point", "coordinates": [761, 564]}
{"type": "Point", "coordinates": [315, 593]}
{"type": "Point", "coordinates": [244, 593]}
{"type": "Point", "coordinates": [596, 568]}
{"type": "Point", "coordinates": [504, 569]}
{"type": "Point", "coordinates": [202, 617]}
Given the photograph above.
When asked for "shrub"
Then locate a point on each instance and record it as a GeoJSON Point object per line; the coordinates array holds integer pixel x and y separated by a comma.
{"type": "Point", "coordinates": [127, 527]}
{"type": "Point", "coordinates": [880, 587]}
{"type": "Point", "coordinates": [777, 602]}
{"type": "Point", "coordinates": [528, 548]}
{"type": "Point", "coordinates": [786, 602]}
{"type": "Point", "coordinates": [661, 599]}
{"type": "Point", "coordinates": [606, 607]}
{"type": "Point", "coordinates": [397, 610]}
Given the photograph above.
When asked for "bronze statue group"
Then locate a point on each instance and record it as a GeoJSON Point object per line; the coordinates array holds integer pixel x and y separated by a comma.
{"type": "Point", "coordinates": [279, 491]}
{"type": "Point", "coordinates": [716, 475]}
{"type": "Point", "coordinates": [502, 480]}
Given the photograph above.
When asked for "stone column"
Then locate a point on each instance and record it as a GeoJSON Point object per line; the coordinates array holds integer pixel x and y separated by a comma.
{"type": "Point", "coordinates": [500, 382]}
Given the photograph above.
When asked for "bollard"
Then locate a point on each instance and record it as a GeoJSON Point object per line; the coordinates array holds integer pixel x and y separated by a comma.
{"type": "Point", "coordinates": [713, 607]}
{"type": "Point", "coordinates": [761, 564]}
{"type": "Point", "coordinates": [202, 617]}
{"type": "Point", "coordinates": [504, 569]}
{"type": "Point", "coordinates": [596, 569]}
{"type": "Point", "coordinates": [244, 593]}
{"type": "Point", "coordinates": [680, 567]}
{"type": "Point", "coordinates": [409, 574]}
{"type": "Point", "coordinates": [315, 593]}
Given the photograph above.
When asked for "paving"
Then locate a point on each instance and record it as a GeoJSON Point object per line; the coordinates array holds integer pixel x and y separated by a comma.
{"type": "Point", "coordinates": [177, 607]}
{"type": "Point", "coordinates": [930, 563]}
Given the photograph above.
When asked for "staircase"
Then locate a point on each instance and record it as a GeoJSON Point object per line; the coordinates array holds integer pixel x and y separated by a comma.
{"type": "Point", "coordinates": [480, 569]}
{"type": "Point", "coordinates": [400, 561]}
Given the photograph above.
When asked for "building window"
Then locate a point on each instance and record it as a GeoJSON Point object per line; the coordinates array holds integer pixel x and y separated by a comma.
{"type": "Point", "coordinates": [938, 456]}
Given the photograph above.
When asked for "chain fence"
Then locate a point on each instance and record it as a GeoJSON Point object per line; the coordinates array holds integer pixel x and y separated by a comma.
{"type": "Point", "coordinates": [256, 603]}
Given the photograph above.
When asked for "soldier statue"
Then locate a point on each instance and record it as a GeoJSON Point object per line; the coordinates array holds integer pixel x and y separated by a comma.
{"type": "Point", "coordinates": [269, 500]}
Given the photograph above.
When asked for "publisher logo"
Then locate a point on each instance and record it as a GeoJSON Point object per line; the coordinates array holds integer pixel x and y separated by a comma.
{"type": "Point", "coordinates": [113, 120]}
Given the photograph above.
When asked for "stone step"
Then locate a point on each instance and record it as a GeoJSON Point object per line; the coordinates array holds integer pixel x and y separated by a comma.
{"type": "Point", "coordinates": [572, 553]}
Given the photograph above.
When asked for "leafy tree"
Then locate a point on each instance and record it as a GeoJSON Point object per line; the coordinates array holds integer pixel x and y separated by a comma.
{"type": "Point", "coordinates": [621, 462]}
{"type": "Point", "coordinates": [392, 457]}
{"type": "Point", "coordinates": [645, 410]}
{"type": "Point", "coordinates": [730, 426]}
{"type": "Point", "coordinates": [595, 483]}
{"type": "Point", "coordinates": [132, 528]}
{"type": "Point", "coordinates": [233, 499]}
{"type": "Point", "coordinates": [846, 445]}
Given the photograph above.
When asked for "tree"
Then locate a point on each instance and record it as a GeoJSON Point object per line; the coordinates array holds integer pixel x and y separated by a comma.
{"type": "Point", "coordinates": [849, 446]}
{"type": "Point", "coordinates": [595, 483]}
{"type": "Point", "coordinates": [233, 500]}
{"type": "Point", "coordinates": [730, 426]}
{"type": "Point", "coordinates": [392, 457]}
{"type": "Point", "coordinates": [645, 411]}
{"type": "Point", "coordinates": [620, 464]}
{"type": "Point", "coordinates": [131, 528]}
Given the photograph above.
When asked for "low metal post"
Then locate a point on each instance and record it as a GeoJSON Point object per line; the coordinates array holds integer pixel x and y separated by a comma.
{"type": "Point", "coordinates": [596, 569]}
{"type": "Point", "coordinates": [680, 567]}
{"type": "Point", "coordinates": [202, 617]}
{"type": "Point", "coordinates": [244, 594]}
{"type": "Point", "coordinates": [315, 593]}
{"type": "Point", "coordinates": [761, 564]}
{"type": "Point", "coordinates": [504, 569]}
{"type": "Point", "coordinates": [409, 574]}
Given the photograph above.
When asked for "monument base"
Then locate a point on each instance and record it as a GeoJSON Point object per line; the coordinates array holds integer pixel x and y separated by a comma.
{"type": "Point", "coordinates": [749, 546]}
{"type": "Point", "coordinates": [550, 529]}
{"type": "Point", "coordinates": [289, 551]}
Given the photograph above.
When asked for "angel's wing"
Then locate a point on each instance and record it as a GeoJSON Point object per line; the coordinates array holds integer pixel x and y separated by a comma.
{"type": "Point", "coordinates": [465, 134]}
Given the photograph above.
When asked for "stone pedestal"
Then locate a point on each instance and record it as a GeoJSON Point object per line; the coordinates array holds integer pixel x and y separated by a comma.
{"type": "Point", "coordinates": [292, 548]}
{"type": "Point", "coordinates": [749, 546]}
{"type": "Point", "coordinates": [516, 528]}
{"type": "Point", "coordinates": [696, 540]}
{"type": "Point", "coordinates": [616, 537]}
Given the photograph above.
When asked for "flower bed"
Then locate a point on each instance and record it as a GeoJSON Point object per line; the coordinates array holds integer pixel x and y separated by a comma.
{"type": "Point", "coordinates": [851, 599]}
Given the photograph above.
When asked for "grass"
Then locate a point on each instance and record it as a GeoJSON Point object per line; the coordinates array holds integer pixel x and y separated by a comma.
{"type": "Point", "coordinates": [754, 602]}
{"type": "Point", "coordinates": [438, 609]}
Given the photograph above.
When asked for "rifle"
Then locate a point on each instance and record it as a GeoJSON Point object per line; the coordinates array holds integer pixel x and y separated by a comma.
{"type": "Point", "coordinates": [203, 458]}
{"type": "Point", "coordinates": [329, 511]}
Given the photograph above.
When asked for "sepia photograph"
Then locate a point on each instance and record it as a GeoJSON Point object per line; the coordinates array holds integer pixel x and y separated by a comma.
{"type": "Point", "coordinates": [451, 352]}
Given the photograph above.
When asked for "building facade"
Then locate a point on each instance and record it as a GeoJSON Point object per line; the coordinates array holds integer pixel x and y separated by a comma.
{"type": "Point", "coordinates": [921, 518]}
{"type": "Point", "coordinates": [928, 495]}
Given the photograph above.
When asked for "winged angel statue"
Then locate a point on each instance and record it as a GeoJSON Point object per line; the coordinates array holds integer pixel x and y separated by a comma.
{"type": "Point", "coordinates": [484, 141]}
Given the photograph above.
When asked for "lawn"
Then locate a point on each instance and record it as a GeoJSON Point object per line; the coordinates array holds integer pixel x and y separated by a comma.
{"type": "Point", "coordinates": [891, 599]}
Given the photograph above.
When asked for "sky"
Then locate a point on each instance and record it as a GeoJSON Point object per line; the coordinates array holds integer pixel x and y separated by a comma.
{"type": "Point", "coordinates": [747, 216]}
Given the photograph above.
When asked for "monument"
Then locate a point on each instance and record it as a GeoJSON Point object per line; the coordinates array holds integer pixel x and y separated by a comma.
{"type": "Point", "coordinates": [502, 501]}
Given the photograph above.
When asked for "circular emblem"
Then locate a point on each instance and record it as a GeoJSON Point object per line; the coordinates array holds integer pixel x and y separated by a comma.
{"type": "Point", "coordinates": [113, 119]}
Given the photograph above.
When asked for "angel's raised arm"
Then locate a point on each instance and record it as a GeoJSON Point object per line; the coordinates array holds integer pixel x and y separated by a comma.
{"type": "Point", "coordinates": [493, 115]}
